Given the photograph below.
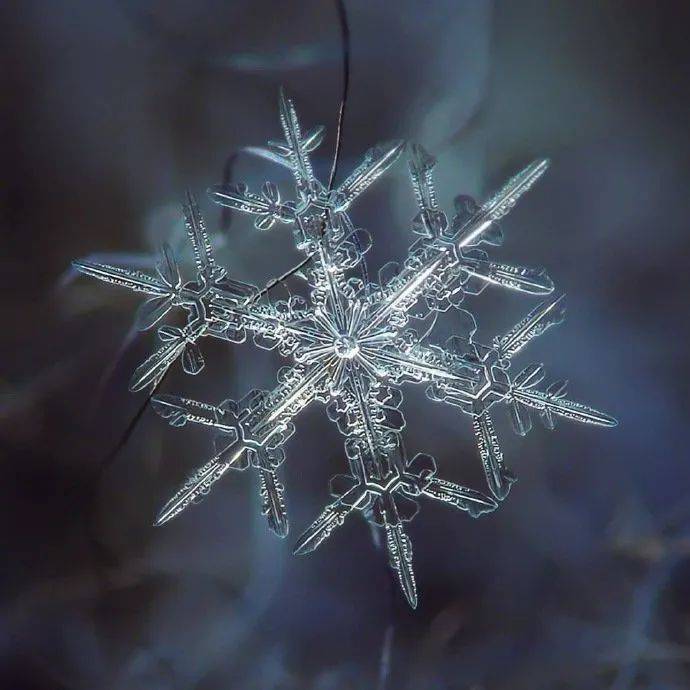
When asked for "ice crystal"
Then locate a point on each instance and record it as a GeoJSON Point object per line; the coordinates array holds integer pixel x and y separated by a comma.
{"type": "Point", "coordinates": [352, 343]}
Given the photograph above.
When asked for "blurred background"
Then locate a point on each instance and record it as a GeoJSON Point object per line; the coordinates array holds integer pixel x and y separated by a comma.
{"type": "Point", "coordinates": [111, 110]}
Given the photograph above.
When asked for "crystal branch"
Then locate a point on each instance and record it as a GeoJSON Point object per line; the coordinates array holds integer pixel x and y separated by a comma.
{"type": "Point", "coordinates": [256, 426]}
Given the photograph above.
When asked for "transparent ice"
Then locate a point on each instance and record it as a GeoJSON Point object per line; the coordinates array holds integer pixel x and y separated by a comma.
{"type": "Point", "coordinates": [352, 343]}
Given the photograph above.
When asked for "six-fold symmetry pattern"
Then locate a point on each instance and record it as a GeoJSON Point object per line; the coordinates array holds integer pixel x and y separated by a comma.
{"type": "Point", "coordinates": [351, 343]}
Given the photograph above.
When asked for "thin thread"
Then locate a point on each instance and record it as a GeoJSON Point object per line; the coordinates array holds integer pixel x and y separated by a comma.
{"type": "Point", "coordinates": [102, 552]}
{"type": "Point", "coordinates": [278, 281]}
{"type": "Point", "coordinates": [345, 38]}
{"type": "Point", "coordinates": [127, 434]}
{"type": "Point", "coordinates": [345, 41]}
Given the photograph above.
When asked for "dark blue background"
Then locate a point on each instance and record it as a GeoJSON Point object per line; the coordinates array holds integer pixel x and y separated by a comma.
{"type": "Point", "coordinates": [112, 109]}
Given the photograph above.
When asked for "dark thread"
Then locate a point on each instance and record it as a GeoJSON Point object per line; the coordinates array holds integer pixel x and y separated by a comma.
{"type": "Point", "coordinates": [345, 40]}
{"type": "Point", "coordinates": [127, 434]}
{"type": "Point", "coordinates": [278, 281]}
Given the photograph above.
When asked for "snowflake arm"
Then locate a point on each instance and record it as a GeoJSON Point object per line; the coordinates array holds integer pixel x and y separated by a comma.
{"type": "Point", "coordinates": [296, 148]}
{"type": "Point", "coordinates": [498, 476]}
{"type": "Point", "coordinates": [500, 204]}
{"type": "Point", "coordinates": [206, 265]}
{"type": "Point", "coordinates": [431, 221]}
{"type": "Point", "coordinates": [431, 364]}
{"type": "Point", "coordinates": [383, 484]}
{"type": "Point", "coordinates": [492, 383]}
{"type": "Point", "coordinates": [371, 449]}
{"type": "Point", "coordinates": [320, 224]}
{"type": "Point", "coordinates": [549, 402]}
{"type": "Point", "coordinates": [390, 508]}
{"type": "Point", "coordinates": [165, 292]}
{"type": "Point", "coordinates": [267, 207]}
{"type": "Point", "coordinates": [216, 305]}
{"type": "Point", "coordinates": [250, 432]}
{"type": "Point", "coordinates": [441, 262]}
{"type": "Point", "coordinates": [376, 161]}
{"type": "Point", "coordinates": [123, 277]}
{"type": "Point", "coordinates": [176, 342]}
{"type": "Point", "coordinates": [543, 316]}
{"type": "Point", "coordinates": [474, 377]}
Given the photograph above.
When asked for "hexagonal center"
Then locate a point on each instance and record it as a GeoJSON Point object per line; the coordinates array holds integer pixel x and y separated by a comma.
{"type": "Point", "coordinates": [346, 347]}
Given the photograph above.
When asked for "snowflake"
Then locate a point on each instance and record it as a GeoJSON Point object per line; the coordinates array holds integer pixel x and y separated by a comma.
{"type": "Point", "coordinates": [352, 343]}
